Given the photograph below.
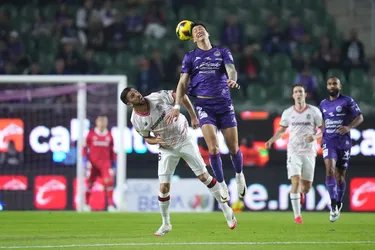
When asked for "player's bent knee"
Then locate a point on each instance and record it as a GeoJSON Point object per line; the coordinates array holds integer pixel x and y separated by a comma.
{"type": "Point", "coordinates": [108, 182]}
{"type": "Point", "coordinates": [164, 188]}
{"type": "Point", "coordinates": [203, 177]}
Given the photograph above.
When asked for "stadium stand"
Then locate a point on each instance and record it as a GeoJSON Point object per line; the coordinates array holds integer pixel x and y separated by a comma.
{"type": "Point", "coordinates": [285, 36]}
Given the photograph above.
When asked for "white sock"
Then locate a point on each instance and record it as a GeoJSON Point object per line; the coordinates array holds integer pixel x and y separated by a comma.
{"type": "Point", "coordinates": [164, 209]}
{"type": "Point", "coordinates": [239, 176]}
{"type": "Point", "coordinates": [223, 185]}
{"type": "Point", "coordinates": [215, 189]}
{"type": "Point", "coordinates": [296, 205]}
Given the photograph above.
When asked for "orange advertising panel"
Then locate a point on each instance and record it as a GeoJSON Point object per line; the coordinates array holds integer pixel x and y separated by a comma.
{"type": "Point", "coordinates": [11, 130]}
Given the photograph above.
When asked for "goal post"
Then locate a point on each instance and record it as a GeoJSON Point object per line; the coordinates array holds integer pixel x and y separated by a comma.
{"type": "Point", "coordinates": [81, 81]}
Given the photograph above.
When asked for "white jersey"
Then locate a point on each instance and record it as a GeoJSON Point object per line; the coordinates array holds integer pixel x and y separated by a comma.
{"type": "Point", "coordinates": [300, 125]}
{"type": "Point", "coordinates": [160, 103]}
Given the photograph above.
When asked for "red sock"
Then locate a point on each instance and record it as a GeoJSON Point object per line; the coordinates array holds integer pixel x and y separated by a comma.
{"type": "Point", "coordinates": [87, 196]}
{"type": "Point", "coordinates": [109, 194]}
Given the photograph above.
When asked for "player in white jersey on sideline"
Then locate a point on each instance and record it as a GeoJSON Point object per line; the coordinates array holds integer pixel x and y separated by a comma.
{"type": "Point", "coordinates": [175, 141]}
{"type": "Point", "coordinates": [303, 121]}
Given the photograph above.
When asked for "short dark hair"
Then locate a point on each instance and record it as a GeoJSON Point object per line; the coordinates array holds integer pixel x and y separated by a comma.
{"type": "Point", "coordinates": [124, 93]}
{"type": "Point", "coordinates": [197, 24]}
{"type": "Point", "coordinates": [298, 85]}
{"type": "Point", "coordinates": [334, 77]}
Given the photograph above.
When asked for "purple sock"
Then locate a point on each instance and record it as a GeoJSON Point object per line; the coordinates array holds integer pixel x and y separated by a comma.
{"type": "Point", "coordinates": [237, 161]}
{"type": "Point", "coordinates": [217, 167]}
{"type": "Point", "coordinates": [341, 186]}
{"type": "Point", "coordinates": [331, 187]}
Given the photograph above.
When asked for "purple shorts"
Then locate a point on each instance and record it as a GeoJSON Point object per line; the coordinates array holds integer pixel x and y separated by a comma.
{"type": "Point", "coordinates": [219, 113]}
{"type": "Point", "coordinates": [341, 155]}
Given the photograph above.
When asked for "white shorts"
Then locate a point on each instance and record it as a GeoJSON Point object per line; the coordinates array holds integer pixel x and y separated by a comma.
{"type": "Point", "coordinates": [169, 158]}
{"type": "Point", "coordinates": [302, 165]}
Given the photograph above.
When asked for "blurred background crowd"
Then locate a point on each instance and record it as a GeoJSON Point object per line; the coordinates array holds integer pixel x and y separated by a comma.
{"type": "Point", "coordinates": [275, 43]}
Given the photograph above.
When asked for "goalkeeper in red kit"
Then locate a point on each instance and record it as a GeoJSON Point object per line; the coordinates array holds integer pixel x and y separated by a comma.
{"type": "Point", "coordinates": [99, 156]}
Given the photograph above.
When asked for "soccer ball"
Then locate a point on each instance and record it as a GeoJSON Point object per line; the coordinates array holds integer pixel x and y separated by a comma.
{"type": "Point", "coordinates": [238, 206]}
{"type": "Point", "coordinates": [183, 30]}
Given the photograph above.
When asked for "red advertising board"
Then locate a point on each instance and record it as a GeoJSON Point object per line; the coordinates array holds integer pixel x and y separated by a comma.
{"type": "Point", "coordinates": [50, 192]}
{"type": "Point", "coordinates": [362, 194]}
{"type": "Point", "coordinates": [97, 197]}
{"type": "Point", "coordinates": [13, 182]}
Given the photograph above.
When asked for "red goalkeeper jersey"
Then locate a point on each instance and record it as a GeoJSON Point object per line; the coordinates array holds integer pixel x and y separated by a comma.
{"type": "Point", "coordinates": [99, 147]}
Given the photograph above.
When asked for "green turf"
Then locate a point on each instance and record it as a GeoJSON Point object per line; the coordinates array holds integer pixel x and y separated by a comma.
{"type": "Point", "coordinates": [256, 230]}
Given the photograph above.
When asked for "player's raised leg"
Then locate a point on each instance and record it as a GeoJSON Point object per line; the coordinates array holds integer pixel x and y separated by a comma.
{"type": "Point", "coordinates": [231, 139]}
{"type": "Point", "coordinates": [209, 133]}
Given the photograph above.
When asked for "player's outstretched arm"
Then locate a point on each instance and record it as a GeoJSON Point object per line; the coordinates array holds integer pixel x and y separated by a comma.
{"type": "Point", "coordinates": [232, 76]}
{"type": "Point", "coordinates": [275, 137]}
{"type": "Point", "coordinates": [180, 92]}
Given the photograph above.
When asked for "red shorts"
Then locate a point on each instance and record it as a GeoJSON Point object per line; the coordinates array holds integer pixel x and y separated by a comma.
{"type": "Point", "coordinates": [104, 171]}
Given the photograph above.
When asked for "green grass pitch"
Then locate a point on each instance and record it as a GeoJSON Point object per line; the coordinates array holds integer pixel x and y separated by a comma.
{"type": "Point", "coordinates": [255, 230]}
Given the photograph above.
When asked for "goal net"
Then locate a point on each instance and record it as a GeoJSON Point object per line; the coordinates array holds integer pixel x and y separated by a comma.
{"type": "Point", "coordinates": [43, 124]}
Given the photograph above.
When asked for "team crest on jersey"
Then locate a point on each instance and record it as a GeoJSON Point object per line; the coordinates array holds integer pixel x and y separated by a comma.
{"type": "Point", "coordinates": [338, 109]}
{"type": "Point", "coordinates": [308, 116]}
{"type": "Point", "coordinates": [217, 53]}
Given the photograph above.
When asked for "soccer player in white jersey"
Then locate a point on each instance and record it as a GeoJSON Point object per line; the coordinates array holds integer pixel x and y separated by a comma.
{"type": "Point", "coordinates": [303, 121]}
{"type": "Point", "coordinates": [175, 141]}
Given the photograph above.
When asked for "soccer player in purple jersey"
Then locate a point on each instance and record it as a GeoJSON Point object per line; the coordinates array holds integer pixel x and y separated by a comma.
{"type": "Point", "coordinates": [207, 74]}
{"type": "Point", "coordinates": [340, 114]}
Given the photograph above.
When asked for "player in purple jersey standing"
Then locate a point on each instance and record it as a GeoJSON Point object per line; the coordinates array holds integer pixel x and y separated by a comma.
{"type": "Point", "coordinates": [340, 114]}
{"type": "Point", "coordinates": [207, 74]}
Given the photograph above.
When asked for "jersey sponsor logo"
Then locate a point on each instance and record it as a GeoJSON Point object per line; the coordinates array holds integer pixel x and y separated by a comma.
{"type": "Point", "coordinates": [50, 192]}
{"type": "Point", "coordinates": [11, 130]}
{"type": "Point", "coordinates": [338, 109]}
{"type": "Point", "coordinates": [308, 116]}
{"type": "Point", "coordinates": [13, 182]}
{"type": "Point", "coordinates": [301, 123]}
{"type": "Point", "coordinates": [362, 194]}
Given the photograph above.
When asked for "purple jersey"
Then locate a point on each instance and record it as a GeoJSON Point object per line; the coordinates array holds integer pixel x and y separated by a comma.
{"type": "Point", "coordinates": [207, 72]}
{"type": "Point", "coordinates": [338, 112]}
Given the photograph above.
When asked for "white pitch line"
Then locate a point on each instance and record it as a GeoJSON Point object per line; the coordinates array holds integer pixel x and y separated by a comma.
{"type": "Point", "coordinates": [194, 243]}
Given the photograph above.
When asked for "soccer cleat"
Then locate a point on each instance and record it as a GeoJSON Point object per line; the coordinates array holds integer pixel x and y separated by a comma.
{"type": "Point", "coordinates": [339, 208]}
{"type": "Point", "coordinates": [241, 185]}
{"type": "Point", "coordinates": [302, 199]}
{"type": "Point", "coordinates": [86, 208]}
{"type": "Point", "coordinates": [298, 220]}
{"type": "Point", "coordinates": [111, 208]}
{"type": "Point", "coordinates": [224, 194]}
{"type": "Point", "coordinates": [163, 229]}
{"type": "Point", "coordinates": [334, 214]}
{"type": "Point", "coordinates": [231, 220]}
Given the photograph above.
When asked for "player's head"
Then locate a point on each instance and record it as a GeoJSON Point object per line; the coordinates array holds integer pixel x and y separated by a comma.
{"type": "Point", "coordinates": [333, 86]}
{"type": "Point", "coordinates": [131, 96]}
{"type": "Point", "coordinates": [101, 122]}
{"type": "Point", "coordinates": [199, 32]}
{"type": "Point", "coordinates": [299, 93]}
